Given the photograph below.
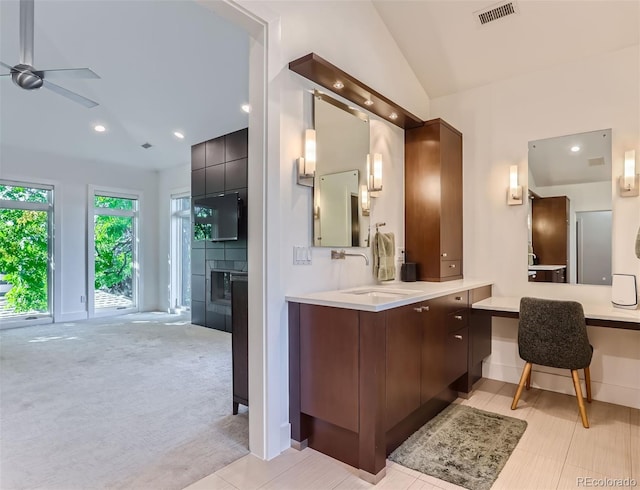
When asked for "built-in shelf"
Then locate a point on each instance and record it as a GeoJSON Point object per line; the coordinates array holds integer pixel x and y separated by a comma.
{"type": "Point", "coordinates": [332, 78]}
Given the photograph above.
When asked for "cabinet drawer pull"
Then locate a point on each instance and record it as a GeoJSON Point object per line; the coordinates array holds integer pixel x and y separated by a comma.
{"type": "Point", "coordinates": [425, 308]}
{"type": "Point", "coordinates": [444, 254]}
{"type": "Point", "coordinates": [452, 266]}
{"type": "Point", "coordinates": [418, 309]}
{"type": "Point", "coordinates": [458, 298]}
{"type": "Point", "coordinates": [459, 337]}
{"type": "Point", "coordinates": [458, 317]}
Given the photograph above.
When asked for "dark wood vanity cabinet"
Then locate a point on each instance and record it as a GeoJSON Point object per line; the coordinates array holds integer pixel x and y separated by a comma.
{"type": "Point", "coordinates": [550, 232]}
{"type": "Point", "coordinates": [360, 382]}
{"type": "Point", "coordinates": [433, 200]}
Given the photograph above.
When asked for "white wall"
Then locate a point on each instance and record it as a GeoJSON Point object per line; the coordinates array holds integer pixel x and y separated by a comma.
{"type": "Point", "coordinates": [497, 121]}
{"type": "Point", "coordinates": [71, 179]}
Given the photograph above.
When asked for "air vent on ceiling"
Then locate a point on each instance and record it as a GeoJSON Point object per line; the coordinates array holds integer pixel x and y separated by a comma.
{"type": "Point", "coordinates": [495, 12]}
{"type": "Point", "coordinates": [146, 146]}
{"type": "Point", "coordinates": [596, 162]}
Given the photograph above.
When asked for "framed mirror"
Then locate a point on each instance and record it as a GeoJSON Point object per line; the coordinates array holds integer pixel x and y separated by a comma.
{"type": "Point", "coordinates": [342, 145]}
{"type": "Point", "coordinates": [570, 209]}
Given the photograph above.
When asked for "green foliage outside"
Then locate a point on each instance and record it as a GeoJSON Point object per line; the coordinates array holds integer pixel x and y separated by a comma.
{"type": "Point", "coordinates": [24, 249]}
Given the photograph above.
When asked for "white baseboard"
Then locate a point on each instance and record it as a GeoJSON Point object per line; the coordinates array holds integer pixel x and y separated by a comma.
{"type": "Point", "coordinates": [619, 395]}
{"type": "Point", "coordinates": [73, 316]}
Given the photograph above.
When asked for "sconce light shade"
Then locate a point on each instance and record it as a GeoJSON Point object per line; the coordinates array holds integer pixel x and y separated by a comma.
{"type": "Point", "coordinates": [365, 202]}
{"type": "Point", "coordinates": [514, 194]}
{"type": "Point", "coordinates": [307, 164]}
{"type": "Point", "coordinates": [374, 173]}
{"type": "Point", "coordinates": [629, 182]}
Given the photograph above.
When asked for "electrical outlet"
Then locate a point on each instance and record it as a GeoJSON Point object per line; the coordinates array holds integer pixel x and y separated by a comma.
{"type": "Point", "coordinates": [400, 254]}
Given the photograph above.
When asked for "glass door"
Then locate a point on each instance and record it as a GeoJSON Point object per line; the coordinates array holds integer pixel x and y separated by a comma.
{"type": "Point", "coordinates": [180, 253]}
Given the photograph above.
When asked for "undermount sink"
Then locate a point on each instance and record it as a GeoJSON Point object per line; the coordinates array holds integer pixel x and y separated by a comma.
{"type": "Point", "coordinates": [382, 292]}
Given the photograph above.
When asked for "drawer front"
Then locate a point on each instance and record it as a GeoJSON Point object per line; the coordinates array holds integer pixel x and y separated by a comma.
{"type": "Point", "coordinates": [450, 268]}
{"type": "Point", "coordinates": [454, 302]}
{"type": "Point", "coordinates": [457, 320]}
{"type": "Point", "coordinates": [457, 348]}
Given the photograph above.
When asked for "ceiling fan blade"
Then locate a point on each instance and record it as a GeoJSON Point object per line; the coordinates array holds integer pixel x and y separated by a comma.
{"type": "Point", "coordinates": [6, 66]}
{"type": "Point", "coordinates": [69, 94]}
{"type": "Point", "coordinates": [26, 32]}
{"type": "Point", "coordinates": [68, 73]}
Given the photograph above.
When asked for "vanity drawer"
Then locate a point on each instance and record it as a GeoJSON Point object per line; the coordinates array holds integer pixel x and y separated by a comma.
{"type": "Point", "coordinates": [457, 347]}
{"type": "Point", "coordinates": [454, 302]}
{"type": "Point", "coordinates": [450, 268]}
{"type": "Point", "coordinates": [457, 320]}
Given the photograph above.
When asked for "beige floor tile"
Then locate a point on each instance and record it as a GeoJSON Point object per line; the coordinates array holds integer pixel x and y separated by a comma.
{"type": "Point", "coordinates": [423, 485]}
{"type": "Point", "coordinates": [249, 472]}
{"type": "Point", "coordinates": [483, 392]}
{"type": "Point", "coordinates": [606, 446]}
{"type": "Point", "coordinates": [316, 472]}
{"type": "Point", "coordinates": [526, 470]}
{"type": "Point", "coordinates": [635, 443]}
{"type": "Point", "coordinates": [211, 482]}
{"type": "Point", "coordinates": [576, 478]}
{"type": "Point", "coordinates": [550, 425]}
{"type": "Point", "coordinates": [501, 402]}
{"type": "Point", "coordinates": [404, 469]}
{"type": "Point", "coordinates": [444, 485]}
{"type": "Point", "coordinates": [396, 480]}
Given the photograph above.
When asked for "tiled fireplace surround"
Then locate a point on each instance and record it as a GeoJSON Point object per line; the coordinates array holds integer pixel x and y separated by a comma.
{"type": "Point", "coordinates": [218, 166]}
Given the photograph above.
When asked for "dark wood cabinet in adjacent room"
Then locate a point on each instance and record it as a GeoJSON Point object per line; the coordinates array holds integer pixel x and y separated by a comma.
{"type": "Point", "coordinates": [433, 200]}
{"type": "Point", "coordinates": [550, 234]}
{"type": "Point", "coordinates": [240, 340]}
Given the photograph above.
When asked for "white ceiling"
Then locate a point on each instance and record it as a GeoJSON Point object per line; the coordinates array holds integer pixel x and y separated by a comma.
{"type": "Point", "coordinates": [450, 52]}
{"type": "Point", "coordinates": [168, 65]}
{"type": "Point", "coordinates": [165, 66]}
{"type": "Point", "coordinates": [551, 161]}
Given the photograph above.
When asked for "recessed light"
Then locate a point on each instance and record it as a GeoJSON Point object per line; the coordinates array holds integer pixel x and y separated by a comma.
{"type": "Point", "coordinates": [338, 84]}
{"type": "Point", "coordinates": [393, 116]}
{"type": "Point", "coordinates": [368, 102]}
{"type": "Point", "coordinates": [575, 148]}
{"type": "Point", "coordinates": [99, 128]}
{"type": "Point", "coordinates": [178, 135]}
{"type": "Point", "coordinates": [246, 108]}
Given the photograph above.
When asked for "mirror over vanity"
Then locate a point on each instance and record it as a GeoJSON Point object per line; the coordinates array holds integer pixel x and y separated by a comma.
{"type": "Point", "coordinates": [342, 146]}
{"type": "Point", "coordinates": [570, 209]}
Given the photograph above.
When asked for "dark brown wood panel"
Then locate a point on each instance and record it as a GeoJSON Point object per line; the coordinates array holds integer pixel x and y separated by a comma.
{"type": "Point", "coordinates": [329, 384]}
{"type": "Point", "coordinates": [404, 338]}
{"type": "Point", "coordinates": [456, 354]}
{"type": "Point", "coordinates": [550, 229]}
{"type": "Point", "coordinates": [451, 195]}
{"type": "Point", "coordinates": [298, 428]}
{"type": "Point", "coordinates": [240, 341]}
{"type": "Point", "coordinates": [325, 74]}
{"type": "Point", "coordinates": [478, 294]}
{"type": "Point", "coordinates": [334, 441]}
{"type": "Point", "coordinates": [372, 402]}
{"type": "Point", "coordinates": [432, 359]}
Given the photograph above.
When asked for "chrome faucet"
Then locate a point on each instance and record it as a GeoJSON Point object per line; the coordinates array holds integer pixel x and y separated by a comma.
{"type": "Point", "coordinates": [341, 254]}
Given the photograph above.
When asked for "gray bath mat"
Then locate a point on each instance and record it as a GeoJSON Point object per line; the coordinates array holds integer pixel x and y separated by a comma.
{"type": "Point", "coordinates": [462, 445]}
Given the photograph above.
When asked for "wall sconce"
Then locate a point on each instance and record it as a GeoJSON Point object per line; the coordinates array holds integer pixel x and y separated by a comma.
{"type": "Point", "coordinates": [307, 164]}
{"type": "Point", "coordinates": [629, 182]}
{"type": "Point", "coordinates": [374, 173]}
{"type": "Point", "coordinates": [514, 194]}
{"type": "Point", "coordinates": [365, 201]}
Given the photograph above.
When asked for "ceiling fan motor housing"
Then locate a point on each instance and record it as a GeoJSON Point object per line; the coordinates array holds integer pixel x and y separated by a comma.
{"type": "Point", "coordinates": [24, 76]}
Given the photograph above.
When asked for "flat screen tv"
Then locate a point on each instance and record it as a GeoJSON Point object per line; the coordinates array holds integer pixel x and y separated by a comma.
{"type": "Point", "coordinates": [216, 218]}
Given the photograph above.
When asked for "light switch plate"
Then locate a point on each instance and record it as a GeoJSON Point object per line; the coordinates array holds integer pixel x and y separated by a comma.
{"type": "Point", "coordinates": [301, 255]}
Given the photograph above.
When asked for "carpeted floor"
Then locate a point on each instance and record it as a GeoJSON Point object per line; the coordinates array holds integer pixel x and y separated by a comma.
{"type": "Point", "coordinates": [462, 445]}
{"type": "Point", "coordinates": [139, 401]}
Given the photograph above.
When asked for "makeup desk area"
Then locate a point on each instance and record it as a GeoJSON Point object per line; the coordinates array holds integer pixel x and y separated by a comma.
{"type": "Point", "coordinates": [596, 314]}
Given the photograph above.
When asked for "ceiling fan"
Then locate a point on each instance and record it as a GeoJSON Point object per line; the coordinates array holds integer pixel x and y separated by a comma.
{"type": "Point", "coordinates": [25, 76]}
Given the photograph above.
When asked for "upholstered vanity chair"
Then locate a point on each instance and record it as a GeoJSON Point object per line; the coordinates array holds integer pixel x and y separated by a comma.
{"type": "Point", "coordinates": [554, 333]}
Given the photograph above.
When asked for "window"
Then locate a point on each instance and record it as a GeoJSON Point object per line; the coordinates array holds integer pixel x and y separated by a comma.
{"type": "Point", "coordinates": [26, 251]}
{"type": "Point", "coordinates": [115, 250]}
{"type": "Point", "coordinates": [180, 252]}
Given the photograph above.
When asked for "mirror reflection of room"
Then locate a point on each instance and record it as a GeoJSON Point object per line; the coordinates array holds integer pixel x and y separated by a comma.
{"type": "Point", "coordinates": [342, 145]}
{"type": "Point", "coordinates": [570, 211]}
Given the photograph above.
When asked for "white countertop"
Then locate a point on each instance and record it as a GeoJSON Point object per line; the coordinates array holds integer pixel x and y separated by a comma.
{"type": "Point", "coordinates": [418, 291]}
{"type": "Point", "coordinates": [596, 311]}
{"type": "Point", "coordinates": [545, 267]}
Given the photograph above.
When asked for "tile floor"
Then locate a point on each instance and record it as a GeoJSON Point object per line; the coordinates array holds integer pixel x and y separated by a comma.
{"type": "Point", "coordinates": [553, 453]}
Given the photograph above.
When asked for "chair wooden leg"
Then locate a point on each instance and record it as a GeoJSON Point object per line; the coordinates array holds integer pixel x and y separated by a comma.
{"type": "Point", "coordinates": [587, 382]}
{"type": "Point", "coordinates": [523, 379]}
{"type": "Point", "coordinates": [581, 407]}
{"type": "Point", "coordinates": [528, 384]}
